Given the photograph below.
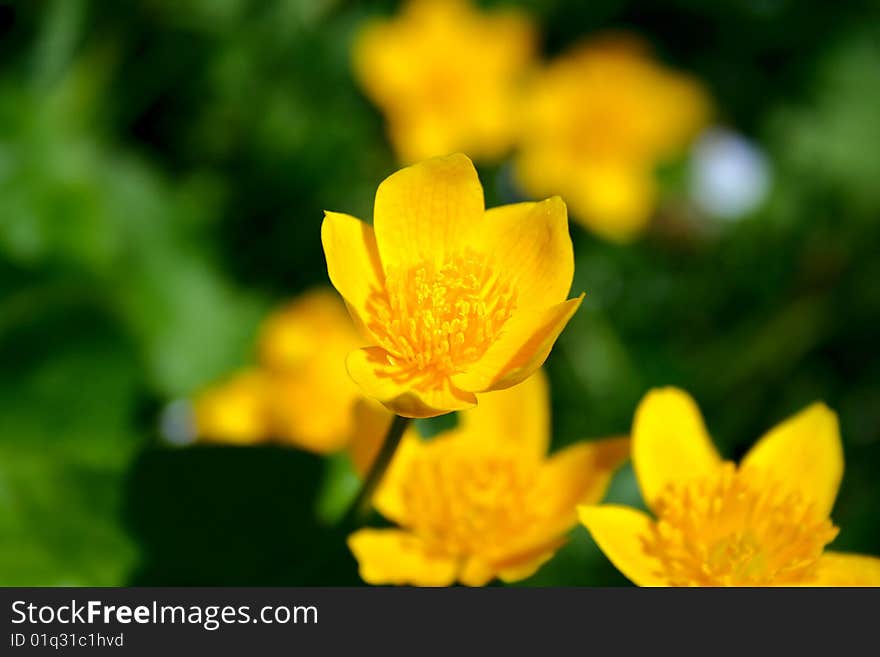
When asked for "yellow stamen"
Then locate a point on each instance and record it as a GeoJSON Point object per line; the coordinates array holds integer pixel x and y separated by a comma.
{"type": "Point", "coordinates": [434, 320]}
{"type": "Point", "coordinates": [461, 502]}
{"type": "Point", "coordinates": [736, 529]}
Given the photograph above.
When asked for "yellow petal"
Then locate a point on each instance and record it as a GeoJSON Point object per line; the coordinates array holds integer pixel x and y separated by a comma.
{"type": "Point", "coordinates": [389, 496]}
{"type": "Point", "coordinates": [525, 569]}
{"type": "Point", "coordinates": [514, 562]}
{"type": "Point", "coordinates": [580, 474]}
{"type": "Point", "coordinates": [524, 564]}
{"type": "Point", "coordinates": [479, 572]}
{"type": "Point", "coordinates": [804, 452]}
{"type": "Point", "coordinates": [298, 331]}
{"type": "Point", "coordinates": [302, 349]}
{"type": "Point", "coordinates": [530, 243]}
{"type": "Point", "coordinates": [669, 442]}
{"type": "Point", "coordinates": [518, 416]}
{"type": "Point", "coordinates": [371, 424]}
{"type": "Point", "coordinates": [521, 349]}
{"type": "Point", "coordinates": [352, 261]}
{"type": "Point", "coordinates": [444, 73]}
{"type": "Point", "coordinates": [615, 201]}
{"type": "Point", "coordinates": [312, 409]}
{"type": "Point", "coordinates": [620, 533]}
{"type": "Point", "coordinates": [391, 556]}
{"type": "Point", "coordinates": [234, 411]}
{"type": "Point", "coordinates": [370, 369]}
{"type": "Point", "coordinates": [841, 569]}
{"type": "Point", "coordinates": [418, 136]}
{"type": "Point", "coordinates": [427, 211]}
{"type": "Point", "coordinates": [476, 572]}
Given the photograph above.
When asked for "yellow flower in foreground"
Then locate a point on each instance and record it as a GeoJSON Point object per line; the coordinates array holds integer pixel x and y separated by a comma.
{"type": "Point", "coordinates": [764, 522]}
{"type": "Point", "coordinates": [455, 299]}
{"type": "Point", "coordinates": [482, 500]}
{"type": "Point", "coordinates": [445, 75]}
{"type": "Point", "coordinates": [301, 393]}
{"type": "Point", "coordinates": [599, 120]}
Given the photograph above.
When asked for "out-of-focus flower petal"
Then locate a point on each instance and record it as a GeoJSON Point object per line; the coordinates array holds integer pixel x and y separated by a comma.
{"type": "Point", "coordinates": [518, 416]}
{"type": "Point", "coordinates": [391, 556]}
{"type": "Point", "coordinates": [842, 569]}
{"type": "Point", "coordinates": [234, 411]}
{"type": "Point", "coordinates": [580, 473]}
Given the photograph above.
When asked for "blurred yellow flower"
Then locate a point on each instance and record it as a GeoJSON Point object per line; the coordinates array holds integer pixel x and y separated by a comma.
{"type": "Point", "coordinates": [446, 77]}
{"type": "Point", "coordinates": [765, 522]}
{"type": "Point", "coordinates": [453, 298]}
{"type": "Point", "coordinates": [482, 500]}
{"type": "Point", "coordinates": [234, 411]}
{"type": "Point", "coordinates": [597, 123]}
{"type": "Point", "coordinates": [301, 393]}
{"type": "Point", "coordinates": [302, 349]}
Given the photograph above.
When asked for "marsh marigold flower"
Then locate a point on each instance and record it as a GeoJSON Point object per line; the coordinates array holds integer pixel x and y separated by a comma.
{"type": "Point", "coordinates": [300, 394]}
{"type": "Point", "coordinates": [599, 121]}
{"type": "Point", "coordinates": [453, 299]}
{"type": "Point", "coordinates": [763, 522]}
{"type": "Point", "coordinates": [446, 76]}
{"type": "Point", "coordinates": [234, 410]}
{"type": "Point", "coordinates": [482, 500]}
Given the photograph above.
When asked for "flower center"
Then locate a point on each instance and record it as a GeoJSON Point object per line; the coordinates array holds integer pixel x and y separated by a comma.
{"type": "Point", "coordinates": [737, 529]}
{"type": "Point", "coordinates": [434, 320]}
{"type": "Point", "coordinates": [462, 502]}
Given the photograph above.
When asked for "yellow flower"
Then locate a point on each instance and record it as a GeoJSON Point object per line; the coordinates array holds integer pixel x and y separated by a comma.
{"type": "Point", "coordinates": [482, 500]}
{"type": "Point", "coordinates": [455, 299]}
{"type": "Point", "coordinates": [301, 393]}
{"type": "Point", "coordinates": [234, 411]}
{"type": "Point", "coordinates": [445, 75]}
{"type": "Point", "coordinates": [302, 349]}
{"type": "Point", "coordinates": [765, 522]}
{"type": "Point", "coordinates": [598, 122]}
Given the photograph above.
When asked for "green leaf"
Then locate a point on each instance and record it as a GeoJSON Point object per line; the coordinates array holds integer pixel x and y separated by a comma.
{"type": "Point", "coordinates": [66, 437]}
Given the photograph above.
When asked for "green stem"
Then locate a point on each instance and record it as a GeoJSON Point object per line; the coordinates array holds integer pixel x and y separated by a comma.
{"type": "Point", "coordinates": [360, 508]}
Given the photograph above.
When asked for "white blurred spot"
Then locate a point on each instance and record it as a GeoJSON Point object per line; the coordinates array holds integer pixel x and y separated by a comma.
{"type": "Point", "coordinates": [730, 175]}
{"type": "Point", "coordinates": [177, 423]}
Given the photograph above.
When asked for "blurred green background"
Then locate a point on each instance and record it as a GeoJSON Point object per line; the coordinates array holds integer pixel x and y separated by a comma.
{"type": "Point", "coordinates": [164, 165]}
